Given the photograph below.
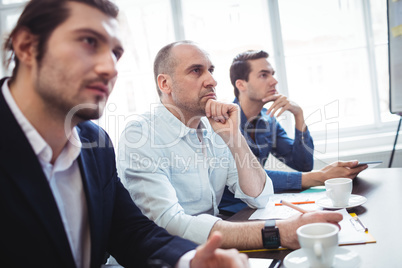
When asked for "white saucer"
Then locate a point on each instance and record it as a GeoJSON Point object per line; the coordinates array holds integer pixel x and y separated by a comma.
{"type": "Point", "coordinates": [344, 258]}
{"type": "Point", "coordinates": [354, 201]}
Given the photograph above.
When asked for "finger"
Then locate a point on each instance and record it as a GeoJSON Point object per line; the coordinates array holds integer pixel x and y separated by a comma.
{"type": "Point", "coordinates": [348, 164]}
{"type": "Point", "coordinates": [270, 109]}
{"type": "Point", "coordinates": [281, 102]}
{"type": "Point", "coordinates": [274, 111]}
{"type": "Point", "coordinates": [337, 224]}
{"type": "Point", "coordinates": [285, 108]}
{"type": "Point", "coordinates": [213, 243]}
{"type": "Point", "coordinates": [244, 260]}
{"type": "Point", "coordinates": [355, 171]}
{"type": "Point", "coordinates": [208, 108]}
{"type": "Point", "coordinates": [214, 111]}
{"type": "Point", "coordinates": [277, 100]}
{"type": "Point", "coordinates": [225, 112]}
{"type": "Point", "coordinates": [333, 217]}
{"type": "Point", "coordinates": [271, 98]}
{"type": "Point", "coordinates": [220, 110]}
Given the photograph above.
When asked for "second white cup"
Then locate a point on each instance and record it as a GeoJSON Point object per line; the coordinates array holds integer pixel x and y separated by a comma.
{"type": "Point", "coordinates": [319, 242]}
{"type": "Point", "coordinates": [339, 191]}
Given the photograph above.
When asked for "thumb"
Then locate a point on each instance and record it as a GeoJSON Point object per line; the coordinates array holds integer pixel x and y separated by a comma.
{"type": "Point", "coordinates": [349, 164]}
{"type": "Point", "coordinates": [214, 242]}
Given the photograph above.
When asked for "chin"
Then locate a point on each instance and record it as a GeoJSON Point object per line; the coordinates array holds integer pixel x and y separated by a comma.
{"type": "Point", "coordinates": [88, 114]}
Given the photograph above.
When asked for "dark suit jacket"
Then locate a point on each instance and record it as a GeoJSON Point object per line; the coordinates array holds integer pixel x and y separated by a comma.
{"type": "Point", "coordinates": [31, 231]}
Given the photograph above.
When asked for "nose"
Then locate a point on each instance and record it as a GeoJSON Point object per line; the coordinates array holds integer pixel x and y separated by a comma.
{"type": "Point", "coordinates": [210, 80]}
{"type": "Point", "coordinates": [273, 81]}
{"type": "Point", "coordinates": [106, 65]}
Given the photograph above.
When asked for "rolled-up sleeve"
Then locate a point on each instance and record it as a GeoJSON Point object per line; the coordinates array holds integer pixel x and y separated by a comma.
{"type": "Point", "coordinates": [253, 202]}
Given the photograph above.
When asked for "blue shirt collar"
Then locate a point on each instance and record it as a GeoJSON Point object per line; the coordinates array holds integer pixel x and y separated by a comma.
{"type": "Point", "coordinates": [243, 118]}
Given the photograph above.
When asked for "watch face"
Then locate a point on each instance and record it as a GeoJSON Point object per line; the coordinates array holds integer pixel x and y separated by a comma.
{"type": "Point", "coordinates": [270, 237]}
{"type": "Point", "coordinates": [273, 238]}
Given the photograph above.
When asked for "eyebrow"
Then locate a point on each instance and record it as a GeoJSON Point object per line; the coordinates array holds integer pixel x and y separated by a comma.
{"type": "Point", "coordinates": [99, 36]}
{"type": "Point", "coordinates": [193, 66]}
{"type": "Point", "coordinates": [272, 71]}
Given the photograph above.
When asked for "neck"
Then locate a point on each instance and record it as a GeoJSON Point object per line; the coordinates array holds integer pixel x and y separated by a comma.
{"type": "Point", "coordinates": [250, 108]}
{"type": "Point", "coordinates": [188, 119]}
{"type": "Point", "coordinates": [47, 123]}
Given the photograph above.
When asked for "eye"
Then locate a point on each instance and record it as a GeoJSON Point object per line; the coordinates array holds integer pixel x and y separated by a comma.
{"type": "Point", "coordinates": [90, 41]}
{"type": "Point", "coordinates": [196, 70]}
{"type": "Point", "coordinates": [211, 70]}
{"type": "Point", "coordinates": [118, 53]}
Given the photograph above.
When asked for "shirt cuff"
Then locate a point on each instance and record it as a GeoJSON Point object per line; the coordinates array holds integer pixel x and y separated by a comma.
{"type": "Point", "coordinates": [184, 261]}
{"type": "Point", "coordinates": [199, 228]}
{"type": "Point", "coordinates": [284, 180]}
{"type": "Point", "coordinates": [260, 201]}
{"type": "Point", "coordinates": [302, 135]}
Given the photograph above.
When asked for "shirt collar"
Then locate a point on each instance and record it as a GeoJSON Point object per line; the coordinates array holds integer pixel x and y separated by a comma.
{"type": "Point", "coordinates": [243, 118]}
{"type": "Point", "coordinates": [40, 147]}
{"type": "Point", "coordinates": [176, 127]}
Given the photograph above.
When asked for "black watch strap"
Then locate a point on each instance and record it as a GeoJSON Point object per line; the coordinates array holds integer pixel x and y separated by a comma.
{"type": "Point", "coordinates": [270, 235]}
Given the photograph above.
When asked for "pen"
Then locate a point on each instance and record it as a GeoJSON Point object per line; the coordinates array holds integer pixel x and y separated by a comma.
{"type": "Point", "coordinates": [275, 263]}
{"type": "Point", "coordinates": [286, 203]}
{"type": "Point", "coordinates": [297, 203]}
{"type": "Point", "coordinates": [358, 220]}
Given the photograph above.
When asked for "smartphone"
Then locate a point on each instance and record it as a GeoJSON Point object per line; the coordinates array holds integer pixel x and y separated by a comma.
{"type": "Point", "coordinates": [370, 163]}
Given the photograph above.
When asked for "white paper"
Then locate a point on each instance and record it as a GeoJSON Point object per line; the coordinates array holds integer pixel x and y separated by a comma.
{"type": "Point", "coordinates": [259, 263]}
{"type": "Point", "coordinates": [283, 212]}
{"type": "Point", "coordinates": [349, 234]}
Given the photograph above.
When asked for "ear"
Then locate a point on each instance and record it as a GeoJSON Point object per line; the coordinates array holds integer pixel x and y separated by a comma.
{"type": "Point", "coordinates": [164, 83]}
{"type": "Point", "coordinates": [241, 85]}
{"type": "Point", "coordinates": [25, 45]}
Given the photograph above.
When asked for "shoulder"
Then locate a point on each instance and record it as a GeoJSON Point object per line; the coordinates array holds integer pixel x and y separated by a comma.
{"type": "Point", "coordinates": [93, 136]}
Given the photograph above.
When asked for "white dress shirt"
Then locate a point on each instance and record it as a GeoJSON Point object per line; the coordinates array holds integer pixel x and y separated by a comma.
{"type": "Point", "coordinates": [65, 181]}
{"type": "Point", "coordinates": [176, 179]}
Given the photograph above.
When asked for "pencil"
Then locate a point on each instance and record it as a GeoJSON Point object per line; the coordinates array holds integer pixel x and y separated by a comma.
{"type": "Point", "coordinates": [297, 203]}
{"type": "Point", "coordinates": [286, 203]}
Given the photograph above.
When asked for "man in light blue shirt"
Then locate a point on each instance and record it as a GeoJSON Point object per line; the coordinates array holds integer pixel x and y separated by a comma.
{"type": "Point", "coordinates": [177, 159]}
{"type": "Point", "coordinates": [252, 77]}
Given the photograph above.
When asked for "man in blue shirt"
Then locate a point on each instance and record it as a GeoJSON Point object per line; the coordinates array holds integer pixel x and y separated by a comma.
{"type": "Point", "coordinates": [252, 77]}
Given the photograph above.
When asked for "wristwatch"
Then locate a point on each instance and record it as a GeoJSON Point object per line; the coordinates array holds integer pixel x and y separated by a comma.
{"type": "Point", "coordinates": [270, 235]}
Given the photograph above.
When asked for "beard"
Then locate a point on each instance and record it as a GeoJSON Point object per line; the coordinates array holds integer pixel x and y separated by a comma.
{"type": "Point", "coordinates": [62, 96]}
{"type": "Point", "coordinates": [60, 105]}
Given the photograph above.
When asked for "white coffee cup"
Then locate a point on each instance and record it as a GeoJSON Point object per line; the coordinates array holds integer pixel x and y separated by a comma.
{"type": "Point", "coordinates": [339, 190]}
{"type": "Point", "coordinates": [319, 242]}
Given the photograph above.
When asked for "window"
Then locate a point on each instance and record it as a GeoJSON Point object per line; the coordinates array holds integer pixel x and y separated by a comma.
{"type": "Point", "coordinates": [9, 2]}
{"type": "Point", "coordinates": [326, 59]}
{"type": "Point", "coordinates": [224, 29]}
{"type": "Point", "coordinates": [147, 26]}
{"type": "Point", "coordinates": [8, 18]}
{"type": "Point", "coordinates": [331, 57]}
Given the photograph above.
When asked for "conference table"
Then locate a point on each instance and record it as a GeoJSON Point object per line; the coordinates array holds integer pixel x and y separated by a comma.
{"type": "Point", "coordinates": [381, 214]}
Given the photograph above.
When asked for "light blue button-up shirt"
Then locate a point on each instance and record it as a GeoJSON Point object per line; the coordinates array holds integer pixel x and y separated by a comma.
{"type": "Point", "coordinates": [176, 175]}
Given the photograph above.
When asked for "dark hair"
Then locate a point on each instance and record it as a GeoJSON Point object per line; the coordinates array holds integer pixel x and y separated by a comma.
{"type": "Point", "coordinates": [164, 63]}
{"type": "Point", "coordinates": [240, 68]}
{"type": "Point", "coordinates": [41, 18]}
